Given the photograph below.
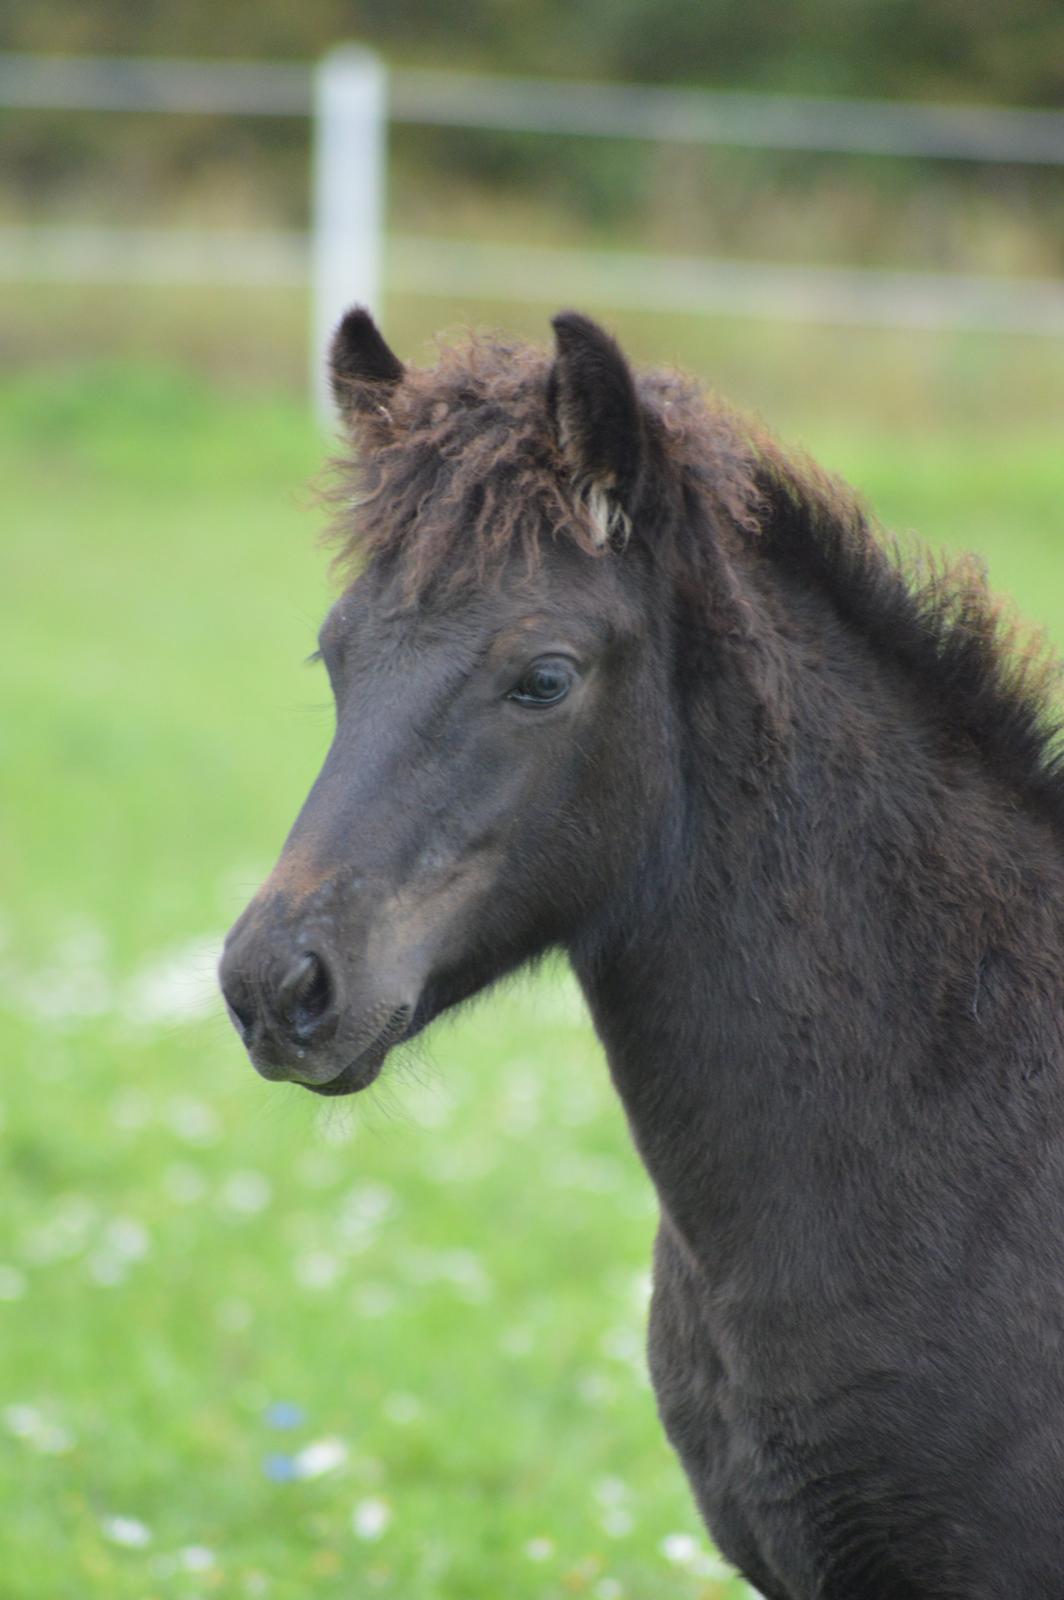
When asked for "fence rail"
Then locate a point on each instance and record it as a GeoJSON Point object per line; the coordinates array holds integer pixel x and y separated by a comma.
{"type": "Point", "coordinates": [699, 116]}
{"type": "Point", "coordinates": [116, 83]}
{"type": "Point", "coordinates": [350, 99]}
{"type": "Point", "coordinates": [477, 270]}
{"type": "Point", "coordinates": [702, 116]}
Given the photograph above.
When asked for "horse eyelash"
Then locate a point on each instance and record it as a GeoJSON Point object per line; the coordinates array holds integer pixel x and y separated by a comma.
{"type": "Point", "coordinates": [313, 659]}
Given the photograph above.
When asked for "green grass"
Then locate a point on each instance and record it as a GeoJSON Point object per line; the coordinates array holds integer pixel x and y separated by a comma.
{"type": "Point", "coordinates": [446, 1277]}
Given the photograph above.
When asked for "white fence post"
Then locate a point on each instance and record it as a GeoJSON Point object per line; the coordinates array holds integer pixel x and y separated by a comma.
{"type": "Point", "coordinates": [349, 146]}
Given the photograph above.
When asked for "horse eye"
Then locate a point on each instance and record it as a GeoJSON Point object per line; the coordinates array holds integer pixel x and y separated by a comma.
{"type": "Point", "coordinates": [544, 683]}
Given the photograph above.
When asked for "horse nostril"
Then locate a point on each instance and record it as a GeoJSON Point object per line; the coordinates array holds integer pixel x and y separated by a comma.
{"type": "Point", "coordinates": [238, 1001]}
{"type": "Point", "coordinates": [306, 995]}
{"type": "Point", "coordinates": [243, 1018]}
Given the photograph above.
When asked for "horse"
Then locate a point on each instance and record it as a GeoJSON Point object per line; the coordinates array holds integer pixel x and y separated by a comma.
{"type": "Point", "coordinates": [617, 674]}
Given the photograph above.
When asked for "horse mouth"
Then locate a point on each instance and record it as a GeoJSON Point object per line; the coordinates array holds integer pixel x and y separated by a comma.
{"type": "Point", "coordinates": [366, 1066]}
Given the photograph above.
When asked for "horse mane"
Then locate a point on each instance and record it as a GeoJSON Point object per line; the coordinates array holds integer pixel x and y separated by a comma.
{"type": "Point", "coordinates": [463, 466]}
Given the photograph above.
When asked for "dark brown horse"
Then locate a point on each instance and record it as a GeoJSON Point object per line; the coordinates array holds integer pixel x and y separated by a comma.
{"type": "Point", "coordinates": [617, 675]}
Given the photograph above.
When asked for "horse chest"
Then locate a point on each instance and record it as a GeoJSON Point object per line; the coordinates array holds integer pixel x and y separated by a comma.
{"type": "Point", "coordinates": [720, 1449]}
{"type": "Point", "coordinates": [806, 1508]}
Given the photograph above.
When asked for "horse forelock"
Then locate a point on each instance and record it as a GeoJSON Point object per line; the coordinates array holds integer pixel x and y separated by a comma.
{"type": "Point", "coordinates": [465, 466]}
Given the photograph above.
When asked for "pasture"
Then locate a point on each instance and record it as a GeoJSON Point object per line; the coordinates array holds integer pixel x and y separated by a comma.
{"type": "Point", "coordinates": [253, 1343]}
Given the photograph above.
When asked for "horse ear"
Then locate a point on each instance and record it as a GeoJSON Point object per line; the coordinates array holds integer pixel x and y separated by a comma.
{"type": "Point", "coordinates": [591, 393]}
{"type": "Point", "coordinates": [362, 369]}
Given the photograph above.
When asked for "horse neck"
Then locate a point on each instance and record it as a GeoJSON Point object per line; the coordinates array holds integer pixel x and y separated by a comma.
{"type": "Point", "coordinates": [832, 944]}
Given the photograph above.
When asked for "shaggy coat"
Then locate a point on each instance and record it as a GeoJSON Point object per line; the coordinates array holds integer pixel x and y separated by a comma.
{"type": "Point", "coordinates": [796, 813]}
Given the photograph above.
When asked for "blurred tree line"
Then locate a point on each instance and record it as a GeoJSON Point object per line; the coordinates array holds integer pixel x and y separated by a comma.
{"type": "Point", "coordinates": [237, 171]}
{"type": "Point", "coordinates": [979, 50]}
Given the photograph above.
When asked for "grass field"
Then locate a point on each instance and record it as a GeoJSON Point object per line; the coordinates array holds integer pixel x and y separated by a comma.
{"type": "Point", "coordinates": [253, 1345]}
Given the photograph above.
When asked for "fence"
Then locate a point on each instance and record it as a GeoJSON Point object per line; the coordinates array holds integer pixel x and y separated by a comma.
{"type": "Point", "coordinates": [350, 99]}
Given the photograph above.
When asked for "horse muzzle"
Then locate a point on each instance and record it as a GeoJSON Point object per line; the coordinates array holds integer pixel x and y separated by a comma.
{"type": "Point", "coordinates": [303, 1013]}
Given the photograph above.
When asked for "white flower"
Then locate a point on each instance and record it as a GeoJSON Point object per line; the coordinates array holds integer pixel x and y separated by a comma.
{"type": "Point", "coordinates": [197, 1558]}
{"type": "Point", "coordinates": [539, 1549]}
{"type": "Point", "coordinates": [709, 1565]}
{"type": "Point", "coordinates": [642, 1289]}
{"type": "Point", "coordinates": [321, 1456]}
{"type": "Point", "coordinates": [38, 1431]}
{"type": "Point", "coordinates": [21, 1420]}
{"type": "Point", "coordinates": [123, 1241]}
{"type": "Point", "coordinates": [370, 1518]}
{"type": "Point", "coordinates": [679, 1548]}
{"type": "Point", "coordinates": [126, 1531]}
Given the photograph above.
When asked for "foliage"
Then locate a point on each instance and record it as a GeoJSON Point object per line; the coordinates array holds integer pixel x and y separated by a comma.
{"type": "Point", "coordinates": [231, 171]}
{"type": "Point", "coordinates": [969, 51]}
